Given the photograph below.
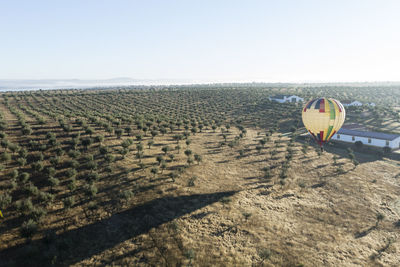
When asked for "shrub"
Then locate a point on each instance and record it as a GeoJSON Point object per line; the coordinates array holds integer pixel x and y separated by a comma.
{"type": "Point", "coordinates": [24, 206]}
{"type": "Point", "coordinates": [91, 165]}
{"type": "Point", "coordinates": [73, 164]}
{"type": "Point", "coordinates": [188, 142]}
{"type": "Point", "coordinates": [29, 228]}
{"type": "Point", "coordinates": [126, 195]}
{"type": "Point", "coordinates": [55, 161]}
{"type": "Point", "coordinates": [31, 189]}
{"type": "Point", "coordinates": [23, 153]}
{"type": "Point", "coordinates": [13, 184]}
{"type": "Point", "coordinates": [39, 156]}
{"type": "Point", "coordinates": [21, 161]}
{"type": "Point", "coordinates": [5, 156]}
{"type": "Point", "coordinates": [159, 159]}
{"type": "Point", "coordinates": [165, 149]}
{"type": "Point", "coordinates": [91, 190]}
{"type": "Point", "coordinates": [99, 138]}
{"type": "Point", "coordinates": [264, 254]}
{"type": "Point", "coordinates": [198, 158]}
{"type": "Point", "coordinates": [51, 171]}
{"type": "Point", "coordinates": [46, 198]}
{"type": "Point", "coordinates": [89, 157]}
{"type": "Point", "coordinates": [163, 165]}
{"type": "Point", "coordinates": [119, 132]}
{"type": "Point", "coordinates": [72, 184]}
{"type": "Point", "coordinates": [103, 150]}
{"type": "Point", "coordinates": [89, 131]}
{"type": "Point", "coordinates": [154, 133]}
{"type": "Point", "coordinates": [190, 160]}
{"type": "Point", "coordinates": [283, 174]}
{"type": "Point", "coordinates": [154, 171]}
{"type": "Point", "coordinates": [188, 152]}
{"type": "Point", "coordinates": [178, 148]}
{"type": "Point", "coordinates": [109, 158]}
{"type": "Point", "coordinates": [71, 173]}
{"type": "Point", "coordinates": [126, 143]}
{"type": "Point", "coordinates": [267, 172]}
{"type": "Point", "coordinates": [94, 176]}
{"type": "Point", "coordinates": [92, 205]}
{"type": "Point", "coordinates": [139, 147]}
{"type": "Point", "coordinates": [173, 176]}
{"type": "Point", "coordinates": [26, 130]}
{"type": "Point", "coordinates": [86, 142]}
{"type": "Point", "coordinates": [53, 181]}
{"type": "Point", "coordinates": [5, 200]}
{"type": "Point", "coordinates": [69, 202]}
{"type": "Point", "coordinates": [14, 174]}
{"type": "Point", "coordinates": [37, 214]}
{"type": "Point", "coordinates": [150, 143]}
{"type": "Point", "coordinates": [38, 166]}
{"type": "Point", "coordinates": [191, 181]}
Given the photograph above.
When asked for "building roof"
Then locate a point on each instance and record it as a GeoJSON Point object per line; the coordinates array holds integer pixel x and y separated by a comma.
{"type": "Point", "coordinates": [356, 126]}
{"type": "Point", "coordinates": [368, 134]}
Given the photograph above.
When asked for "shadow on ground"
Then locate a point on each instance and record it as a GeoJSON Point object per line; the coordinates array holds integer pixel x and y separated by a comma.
{"type": "Point", "coordinates": [76, 245]}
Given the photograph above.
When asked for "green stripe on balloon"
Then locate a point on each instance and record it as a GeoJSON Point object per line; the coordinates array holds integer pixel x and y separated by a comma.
{"type": "Point", "coordinates": [332, 109]}
{"type": "Point", "coordinates": [329, 132]}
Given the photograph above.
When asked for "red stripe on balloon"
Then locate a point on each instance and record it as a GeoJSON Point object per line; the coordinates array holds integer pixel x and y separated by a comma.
{"type": "Point", "coordinates": [322, 105]}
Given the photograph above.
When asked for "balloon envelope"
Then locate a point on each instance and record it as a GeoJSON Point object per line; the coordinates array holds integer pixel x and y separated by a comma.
{"type": "Point", "coordinates": [323, 117]}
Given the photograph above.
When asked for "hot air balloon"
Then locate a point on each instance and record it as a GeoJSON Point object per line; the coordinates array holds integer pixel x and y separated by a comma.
{"type": "Point", "coordinates": [323, 117]}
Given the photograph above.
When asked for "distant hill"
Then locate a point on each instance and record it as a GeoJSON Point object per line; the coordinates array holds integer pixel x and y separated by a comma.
{"type": "Point", "coordinates": [66, 83]}
{"type": "Point", "coordinates": [35, 84]}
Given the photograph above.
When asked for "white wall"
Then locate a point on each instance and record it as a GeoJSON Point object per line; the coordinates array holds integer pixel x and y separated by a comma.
{"type": "Point", "coordinates": [278, 100]}
{"type": "Point", "coordinates": [394, 144]}
{"type": "Point", "coordinates": [298, 99]}
{"type": "Point", "coordinates": [288, 99]}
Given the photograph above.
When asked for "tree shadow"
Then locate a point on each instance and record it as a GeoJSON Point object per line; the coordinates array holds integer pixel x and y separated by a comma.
{"type": "Point", "coordinates": [78, 244]}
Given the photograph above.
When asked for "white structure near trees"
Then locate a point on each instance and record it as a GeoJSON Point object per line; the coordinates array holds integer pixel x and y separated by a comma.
{"type": "Point", "coordinates": [351, 103]}
{"type": "Point", "coordinates": [286, 98]}
{"type": "Point", "coordinates": [369, 138]}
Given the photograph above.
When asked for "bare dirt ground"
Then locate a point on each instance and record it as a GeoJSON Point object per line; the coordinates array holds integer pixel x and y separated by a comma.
{"type": "Point", "coordinates": [317, 218]}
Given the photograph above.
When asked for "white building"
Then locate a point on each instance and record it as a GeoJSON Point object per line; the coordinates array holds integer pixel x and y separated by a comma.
{"type": "Point", "coordinates": [286, 98]}
{"type": "Point", "coordinates": [368, 138]}
{"type": "Point", "coordinates": [372, 104]}
{"type": "Point", "coordinates": [351, 103]}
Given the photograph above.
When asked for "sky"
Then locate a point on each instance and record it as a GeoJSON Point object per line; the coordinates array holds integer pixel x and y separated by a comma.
{"type": "Point", "coordinates": [201, 41]}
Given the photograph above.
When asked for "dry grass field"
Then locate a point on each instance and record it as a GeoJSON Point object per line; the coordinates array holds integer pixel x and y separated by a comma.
{"type": "Point", "coordinates": [233, 195]}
